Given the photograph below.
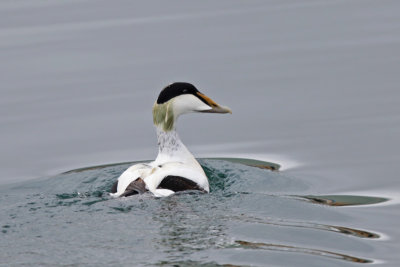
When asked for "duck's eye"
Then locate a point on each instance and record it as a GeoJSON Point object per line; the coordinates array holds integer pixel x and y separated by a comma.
{"type": "Point", "coordinates": [185, 90]}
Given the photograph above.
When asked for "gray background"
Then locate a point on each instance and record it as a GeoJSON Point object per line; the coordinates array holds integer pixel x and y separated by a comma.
{"type": "Point", "coordinates": [311, 82]}
{"type": "Point", "coordinates": [313, 85]}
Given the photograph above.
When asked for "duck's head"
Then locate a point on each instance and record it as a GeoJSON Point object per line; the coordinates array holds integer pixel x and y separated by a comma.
{"type": "Point", "coordinates": [180, 98]}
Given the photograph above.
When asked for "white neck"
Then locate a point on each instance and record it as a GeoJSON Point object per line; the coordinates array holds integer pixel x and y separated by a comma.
{"type": "Point", "coordinates": [171, 148]}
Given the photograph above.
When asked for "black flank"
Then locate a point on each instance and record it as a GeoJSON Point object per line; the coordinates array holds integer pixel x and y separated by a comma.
{"type": "Point", "coordinates": [136, 187]}
{"type": "Point", "coordinates": [177, 183]}
{"type": "Point", "coordinates": [114, 187]}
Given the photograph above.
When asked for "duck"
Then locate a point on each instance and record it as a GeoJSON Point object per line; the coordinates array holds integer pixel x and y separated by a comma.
{"type": "Point", "coordinates": [175, 168]}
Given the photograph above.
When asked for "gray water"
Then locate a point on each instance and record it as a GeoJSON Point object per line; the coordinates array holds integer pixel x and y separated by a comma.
{"type": "Point", "coordinates": [313, 86]}
{"type": "Point", "coordinates": [252, 216]}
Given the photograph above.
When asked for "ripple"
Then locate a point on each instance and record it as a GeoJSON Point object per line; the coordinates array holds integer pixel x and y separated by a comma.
{"type": "Point", "coordinates": [344, 200]}
{"type": "Point", "coordinates": [310, 225]}
{"type": "Point", "coordinates": [249, 162]}
{"type": "Point", "coordinates": [190, 263]}
{"type": "Point", "coordinates": [249, 199]}
{"type": "Point", "coordinates": [287, 248]}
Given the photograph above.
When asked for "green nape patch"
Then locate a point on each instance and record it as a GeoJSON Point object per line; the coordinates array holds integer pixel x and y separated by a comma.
{"type": "Point", "coordinates": [343, 200]}
{"type": "Point", "coordinates": [163, 115]}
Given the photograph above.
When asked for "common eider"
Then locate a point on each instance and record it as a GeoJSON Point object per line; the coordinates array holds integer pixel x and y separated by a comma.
{"type": "Point", "coordinates": [175, 168]}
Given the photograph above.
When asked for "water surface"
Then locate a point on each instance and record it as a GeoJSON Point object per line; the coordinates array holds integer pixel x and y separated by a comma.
{"type": "Point", "coordinates": [252, 216]}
